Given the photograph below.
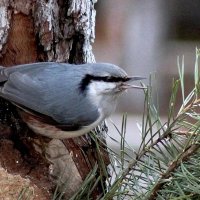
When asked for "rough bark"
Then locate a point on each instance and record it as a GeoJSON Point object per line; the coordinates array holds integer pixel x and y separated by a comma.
{"type": "Point", "coordinates": [45, 30]}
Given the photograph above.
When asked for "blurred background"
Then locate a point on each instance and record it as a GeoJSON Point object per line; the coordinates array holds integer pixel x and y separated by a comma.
{"type": "Point", "coordinates": [145, 37]}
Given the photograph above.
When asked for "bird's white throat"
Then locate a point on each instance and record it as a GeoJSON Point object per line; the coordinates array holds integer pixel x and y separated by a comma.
{"type": "Point", "coordinates": [102, 95]}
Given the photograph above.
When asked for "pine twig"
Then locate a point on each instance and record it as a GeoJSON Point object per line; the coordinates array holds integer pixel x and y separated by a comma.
{"type": "Point", "coordinates": [173, 166]}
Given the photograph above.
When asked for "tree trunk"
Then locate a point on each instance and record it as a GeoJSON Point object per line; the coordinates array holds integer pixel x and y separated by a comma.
{"type": "Point", "coordinates": [36, 31]}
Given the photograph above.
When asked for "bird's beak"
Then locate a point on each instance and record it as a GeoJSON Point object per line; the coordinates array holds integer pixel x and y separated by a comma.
{"type": "Point", "coordinates": [128, 85]}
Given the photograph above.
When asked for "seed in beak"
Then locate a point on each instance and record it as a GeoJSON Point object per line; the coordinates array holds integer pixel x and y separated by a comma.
{"type": "Point", "coordinates": [125, 86]}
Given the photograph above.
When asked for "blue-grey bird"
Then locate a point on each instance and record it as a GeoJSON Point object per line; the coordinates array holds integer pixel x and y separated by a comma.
{"type": "Point", "coordinates": [62, 100]}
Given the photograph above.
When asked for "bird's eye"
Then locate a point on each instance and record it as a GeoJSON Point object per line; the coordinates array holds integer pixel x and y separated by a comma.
{"type": "Point", "coordinates": [108, 78]}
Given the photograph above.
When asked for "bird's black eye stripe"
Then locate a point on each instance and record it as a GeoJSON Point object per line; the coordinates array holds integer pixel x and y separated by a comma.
{"type": "Point", "coordinates": [88, 78]}
{"type": "Point", "coordinates": [2, 83]}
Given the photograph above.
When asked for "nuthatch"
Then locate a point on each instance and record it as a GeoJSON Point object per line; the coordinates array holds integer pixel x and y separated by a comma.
{"type": "Point", "coordinates": [62, 100]}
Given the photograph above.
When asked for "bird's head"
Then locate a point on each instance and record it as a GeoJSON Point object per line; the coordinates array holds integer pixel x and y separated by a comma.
{"type": "Point", "coordinates": [108, 79]}
{"type": "Point", "coordinates": [104, 84]}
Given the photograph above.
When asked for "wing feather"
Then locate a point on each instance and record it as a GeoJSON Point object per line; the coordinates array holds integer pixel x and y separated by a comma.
{"type": "Point", "coordinates": [51, 90]}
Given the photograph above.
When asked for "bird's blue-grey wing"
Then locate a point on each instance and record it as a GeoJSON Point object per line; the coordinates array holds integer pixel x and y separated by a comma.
{"type": "Point", "coordinates": [50, 91]}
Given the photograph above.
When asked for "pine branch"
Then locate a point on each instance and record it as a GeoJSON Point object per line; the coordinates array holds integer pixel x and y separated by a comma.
{"type": "Point", "coordinates": [164, 147]}
{"type": "Point", "coordinates": [172, 167]}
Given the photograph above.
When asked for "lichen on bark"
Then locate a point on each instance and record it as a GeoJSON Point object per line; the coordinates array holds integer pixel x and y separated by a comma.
{"type": "Point", "coordinates": [5, 16]}
{"type": "Point", "coordinates": [66, 29]}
